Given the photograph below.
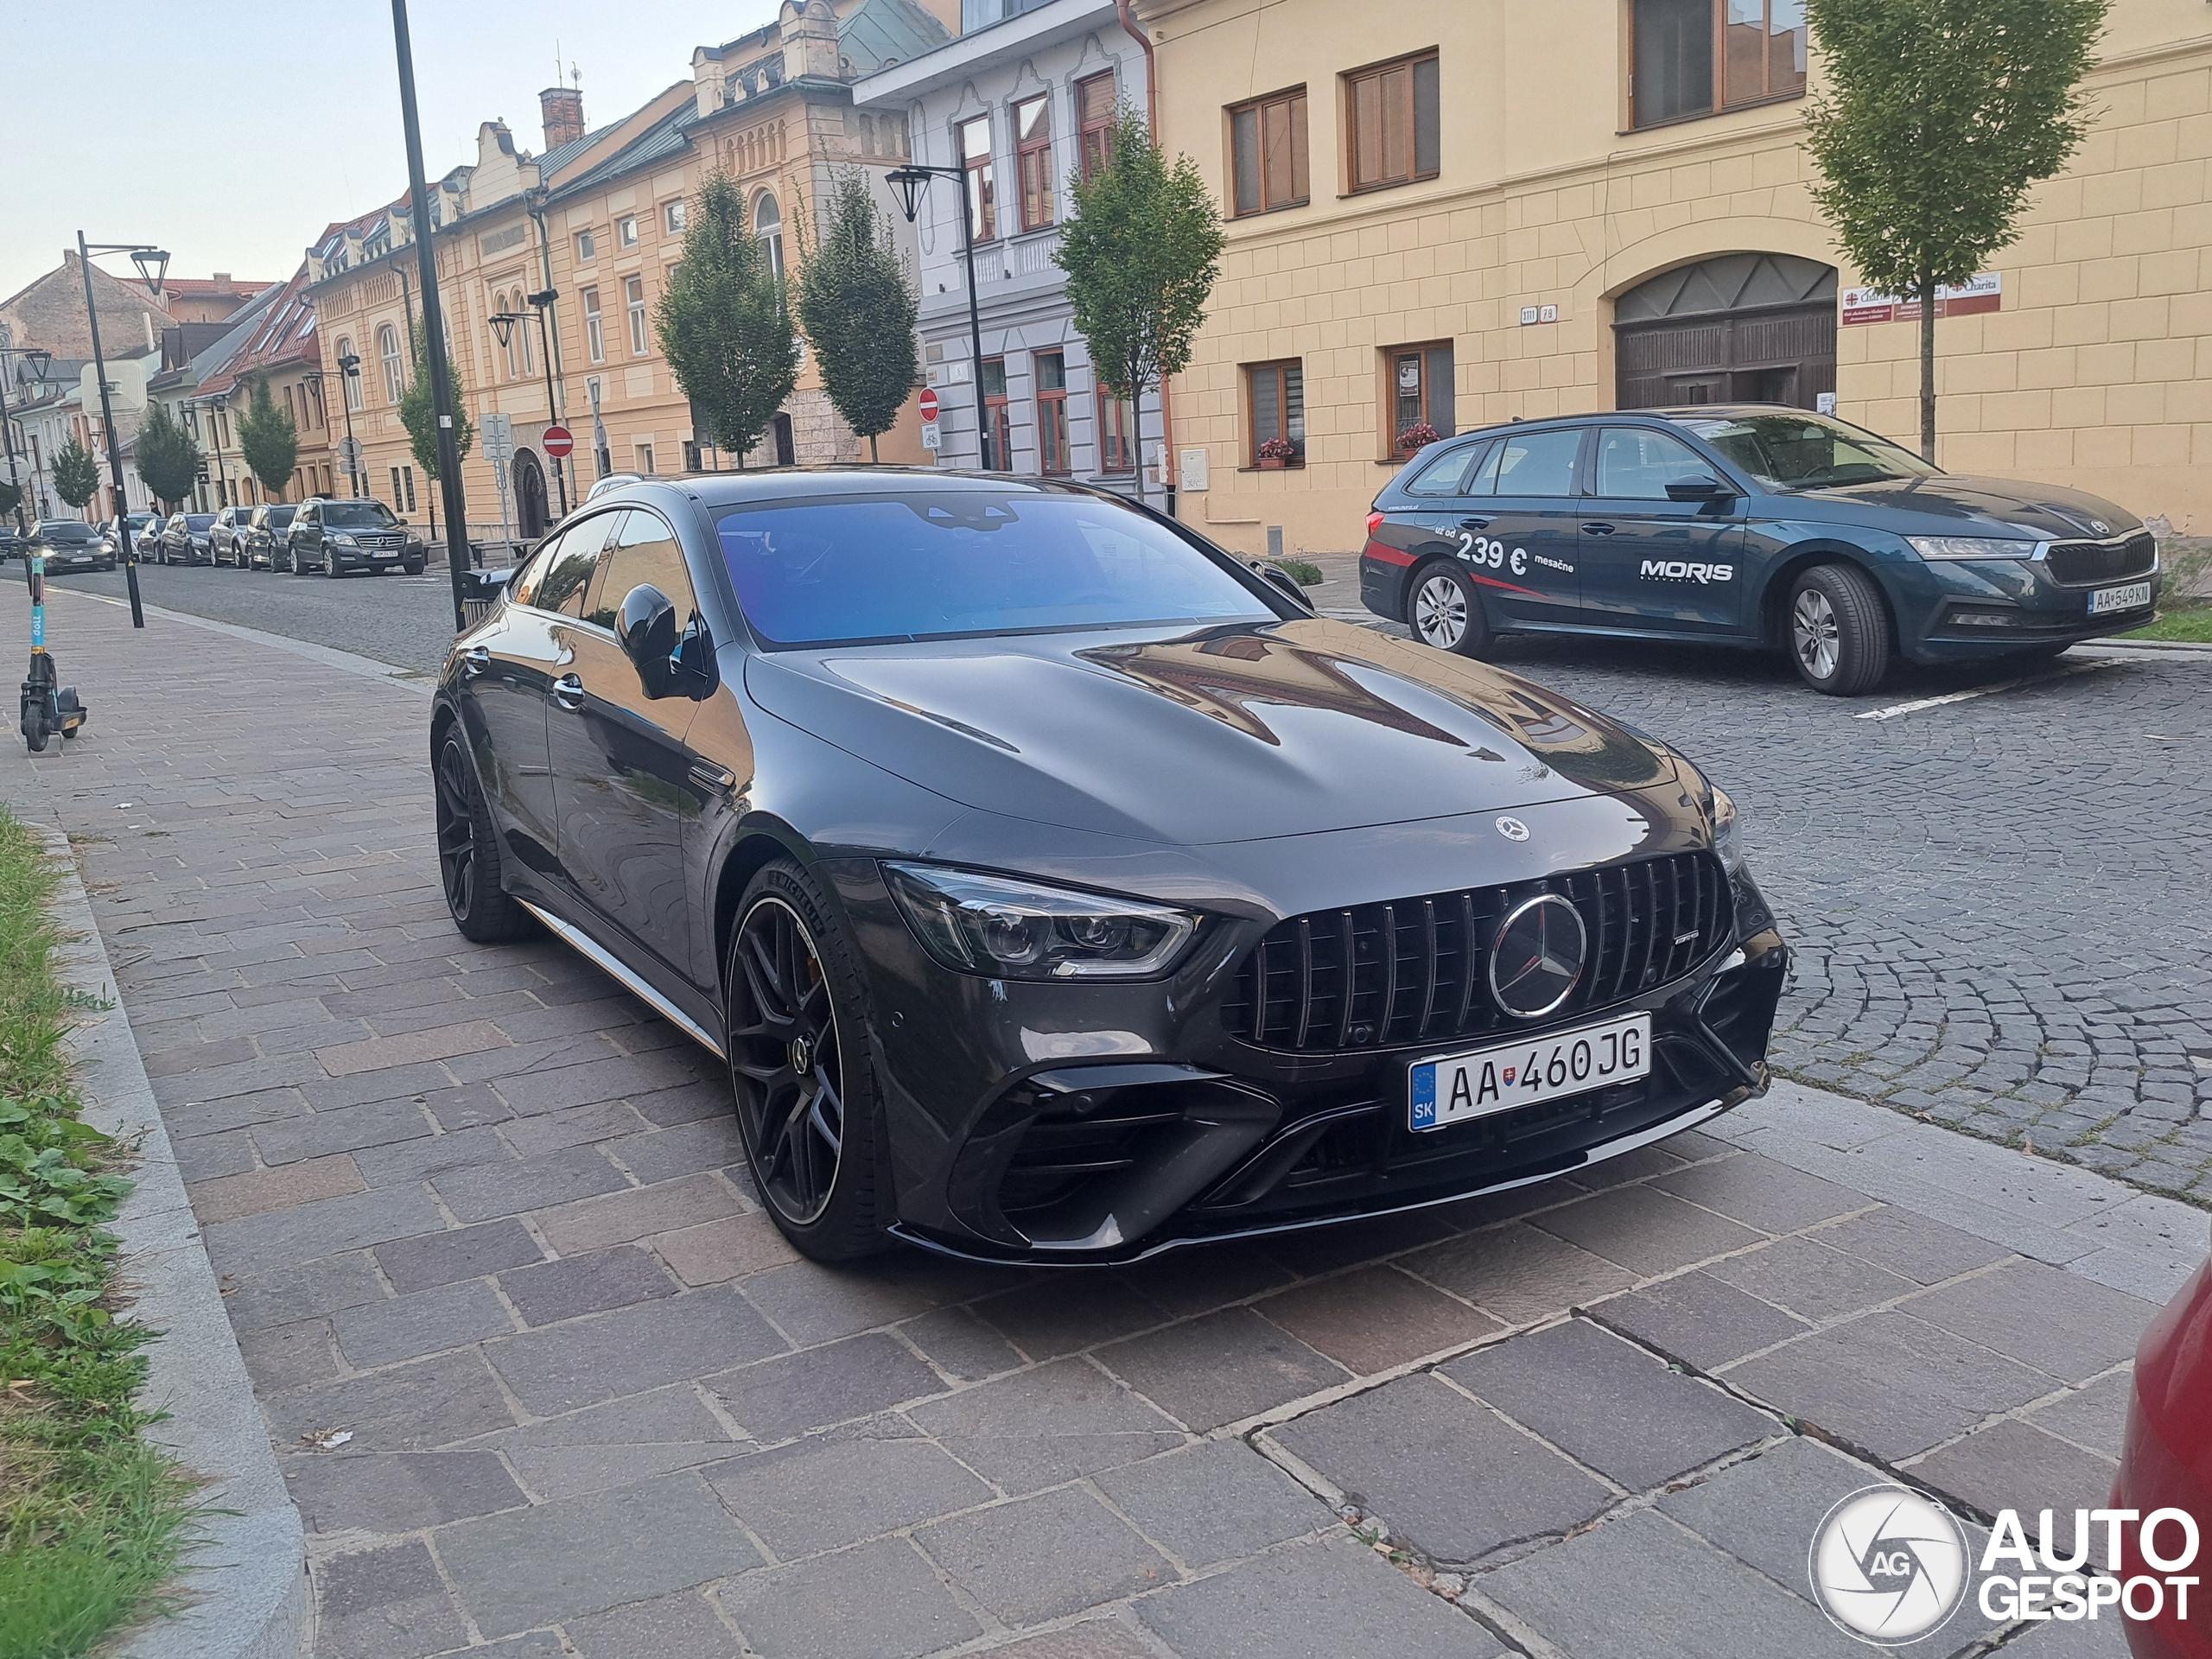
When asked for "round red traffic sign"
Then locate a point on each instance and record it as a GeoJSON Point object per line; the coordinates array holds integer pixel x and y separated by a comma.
{"type": "Point", "coordinates": [928, 404]}
{"type": "Point", "coordinates": [558, 441]}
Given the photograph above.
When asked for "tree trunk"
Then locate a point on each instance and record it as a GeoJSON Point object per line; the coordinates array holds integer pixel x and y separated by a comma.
{"type": "Point", "coordinates": [872, 457]}
{"type": "Point", "coordinates": [1927, 373]}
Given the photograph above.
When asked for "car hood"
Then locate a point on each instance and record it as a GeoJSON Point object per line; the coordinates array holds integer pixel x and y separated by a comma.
{"type": "Point", "coordinates": [1224, 734]}
{"type": "Point", "coordinates": [1958, 503]}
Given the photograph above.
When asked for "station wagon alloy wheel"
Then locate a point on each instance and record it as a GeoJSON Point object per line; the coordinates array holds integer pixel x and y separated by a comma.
{"type": "Point", "coordinates": [787, 1061]}
{"type": "Point", "coordinates": [1440, 612]}
{"type": "Point", "coordinates": [1813, 632]}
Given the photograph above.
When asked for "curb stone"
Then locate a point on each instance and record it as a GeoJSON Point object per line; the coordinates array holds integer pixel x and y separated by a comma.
{"type": "Point", "coordinates": [245, 1580]}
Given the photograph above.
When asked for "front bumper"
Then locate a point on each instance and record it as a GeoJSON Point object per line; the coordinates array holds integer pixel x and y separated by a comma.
{"type": "Point", "coordinates": [1101, 1123]}
{"type": "Point", "coordinates": [1950, 610]}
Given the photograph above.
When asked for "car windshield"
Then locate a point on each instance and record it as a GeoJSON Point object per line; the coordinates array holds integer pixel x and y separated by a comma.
{"type": "Point", "coordinates": [198, 520]}
{"type": "Point", "coordinates": [932, 565]}
{"type": "Point", "coordinates": [1805, 452]}
{"type": "Point", "coordinates": [279, 517]}
{"type": "Point", "coordinates": [358, 515]}
{"type": "Point", "coordinates": [70, 533]}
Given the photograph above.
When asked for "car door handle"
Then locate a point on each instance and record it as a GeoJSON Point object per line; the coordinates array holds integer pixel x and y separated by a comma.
{"type": "Point", "coordinates": [477, 659]}
{"type": "Point", "coordinates": [1597, 530]}
{"type": "Point", "coordinates": [1474, 523]}
{"type": "Point", "coordinates": [568, 692]}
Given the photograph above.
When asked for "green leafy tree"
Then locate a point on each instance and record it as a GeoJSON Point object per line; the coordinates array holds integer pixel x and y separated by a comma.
{"type": "Point", "coordinates": [724, 322]}
{"type": "Point", "coordinates": [270, 439]}
{"type": "Point", "coordinates": [169, 458]}
{"type": "Point", "coordinates": [76, 473]}
{"type": "Point", "coordinates": [858, 306]}
{"type": "Point", "coordinates": [420, 417]}
{"type": "Point", "coordinates": [1141, 255]}
{"type": "Point", "coordinates": [1937, 117]}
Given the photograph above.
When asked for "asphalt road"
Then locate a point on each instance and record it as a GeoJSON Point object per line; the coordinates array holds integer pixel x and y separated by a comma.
{"type": "Point", "coordinates": [397, 618]}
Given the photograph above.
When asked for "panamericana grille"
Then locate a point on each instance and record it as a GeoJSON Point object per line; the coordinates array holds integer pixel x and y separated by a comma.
{"type": "Point", "coordinates": [2082, 563]}
{"type": "Point", "coordinates": [1415, 969]}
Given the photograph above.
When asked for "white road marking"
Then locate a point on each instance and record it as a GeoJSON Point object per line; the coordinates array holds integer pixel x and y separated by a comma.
{"type": "Point", "coordinates": [1896, 708]}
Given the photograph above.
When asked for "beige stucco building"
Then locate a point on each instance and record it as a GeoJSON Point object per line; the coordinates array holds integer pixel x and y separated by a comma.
{"type": "Point", "coordinates": [1470, 212]}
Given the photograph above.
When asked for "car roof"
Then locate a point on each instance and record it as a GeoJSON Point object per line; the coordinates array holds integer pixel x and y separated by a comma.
{"type": "Point", "coordinates": [1671, 415]}
{"type": "Point", "coordinates": [713, 490]}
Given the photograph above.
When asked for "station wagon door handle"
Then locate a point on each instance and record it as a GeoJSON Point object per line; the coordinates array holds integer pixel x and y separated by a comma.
{"type": "Point", "coordinates": [568, 692]}
{"type": "Point", "coordinates": [1597, 530]}
{"type": "Point", "coordinates": [1474, 523]}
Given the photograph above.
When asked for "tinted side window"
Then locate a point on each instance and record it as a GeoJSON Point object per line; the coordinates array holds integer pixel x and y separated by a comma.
{"type": "Point", "coordinates": [645, 551]}
{"type": "Point", "coordinates": [1447, 474]}
{"type": "Point", "coordinates": [1542, 463]}
{"type": "Point", "coordinates": [1637, 464]}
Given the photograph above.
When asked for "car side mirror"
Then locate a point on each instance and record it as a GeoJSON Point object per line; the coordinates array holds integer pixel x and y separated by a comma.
{"type": "Point", "coordinates": [1283, 581]}
{"type": "Point", "coordinates": [646, 627]}
{"type": "Point", "coordinates": [1700, 486]}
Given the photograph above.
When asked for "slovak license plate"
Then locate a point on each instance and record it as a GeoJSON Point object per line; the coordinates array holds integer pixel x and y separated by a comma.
{"type": "Point", "coordinates": [2133, 597]}
{"type": "Point", "coordinates": [1456, 1088]}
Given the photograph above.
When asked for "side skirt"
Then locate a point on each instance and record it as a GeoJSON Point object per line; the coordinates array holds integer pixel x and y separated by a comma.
{"type": "Point", "coordinates": [586, 947]}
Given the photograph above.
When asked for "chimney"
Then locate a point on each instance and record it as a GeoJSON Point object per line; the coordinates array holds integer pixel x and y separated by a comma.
{"type": "Point", "coordinates": [222, 279]}
{"type": "Point", "coordinates": [564, 114]}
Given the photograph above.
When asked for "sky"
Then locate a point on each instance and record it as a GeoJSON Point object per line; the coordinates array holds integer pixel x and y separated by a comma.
{"type": "Point", "coordinates": [231, 131]}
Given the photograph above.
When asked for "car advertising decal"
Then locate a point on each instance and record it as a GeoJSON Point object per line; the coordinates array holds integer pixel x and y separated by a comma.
{"type": "Point", "coordinates": [1682, 570]}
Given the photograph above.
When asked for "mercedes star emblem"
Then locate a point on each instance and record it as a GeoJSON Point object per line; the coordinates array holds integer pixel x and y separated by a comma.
{"type": "Point", "coordinates": [1537, 958]}
{"type": "Point", "coordinates": [1513, 828]}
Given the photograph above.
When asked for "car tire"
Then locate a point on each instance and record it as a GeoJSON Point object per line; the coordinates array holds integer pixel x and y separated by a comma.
{"type": "Point", "coordinates": [1838, 631]}
{"type": "Point", "coordinates": [1445, 609]}
{"type": "Point", "coordinates": [468, 850]}
{"type": "Point", "coordinates": [330, 564]}
{"type": "Point", "coordinates": [789, 980]}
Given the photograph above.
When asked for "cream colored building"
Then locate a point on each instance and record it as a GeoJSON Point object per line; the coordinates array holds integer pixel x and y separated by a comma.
{"type": "Point", "coordinates": [1470, 211]}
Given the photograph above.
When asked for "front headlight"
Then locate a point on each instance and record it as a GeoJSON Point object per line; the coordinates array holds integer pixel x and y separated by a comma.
{"type": "Point", "coordinates": [1727, 831]}
{"type": "Point", "coordinates": [1971, 547]}
{"type": "Point", "coordinates": [343, 540]}
{"type": "Point", "coordinates": [1005, 929]}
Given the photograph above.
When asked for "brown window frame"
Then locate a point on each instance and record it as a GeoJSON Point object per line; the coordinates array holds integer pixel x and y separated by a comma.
{"type": "Point", "coordinates": [1280, 368]}
{"type": "Point", "coordinates": [1722, 104]}
{"type": "Point", "coordinates": [1093, 131]}
{"type": "Point", "coordinates": [1033, 164]}
{"type": "Point", "coordinates": [1291, 104]}
{"type": "Point", "coordinates": [1408, 96]}
{"type": "Point", "coordinates": [1117, 434]}
{"type": "Point", "coordinates": [1425, 350]}
{"type": "Point", "coordinates": [983, 180]}
{"type": "Point", "coordinates": [1055, 452]}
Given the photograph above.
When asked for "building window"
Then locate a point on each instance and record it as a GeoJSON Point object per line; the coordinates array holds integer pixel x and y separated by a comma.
{"type": "Point", "coordinates": [983, 201]}
{"type": "Point", "coordinates": [402, 488]}
{"type": "Point", "coordinates": [1117, 433]}
{"type": "Point", "coordinates": [1390, 123]}
{"type": "Point", "coordinates": [998, 433]}
{"type": "Point", "coordinates": [395, 382]}
{"type": "Point", "coordinates": [595, 337]}
{"type": "Point", "coordinates": [1267, 141]}
{"type": "Point", "coordinates": [1276, 395]}
{"type": "Point", "coordinates": [1697, 57]}
{"type": "Point", "coordinates": [587, 246]}
{"type": "Point", "coordinates": [1033, 152]}
{"type": "Point", "coordinates": [643, 453]}
{"type": "Point", "coordinates": [1052, 457]}
{"type": "Point", "coordinates": [633, 295]}
{"type": "Point", "coordinates": [768, 230]}
{"type": "Point", "coordinates": [626, 231]}
{"type": "Point", "coordinates": [671, 216]}
{"type": "Point", "coordinates": [1419, 389]}
{"type": "Point", "coordinates": [1094, 112]}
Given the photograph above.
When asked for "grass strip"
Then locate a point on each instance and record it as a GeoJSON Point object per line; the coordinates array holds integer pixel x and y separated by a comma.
{"type": "Point", "coordinates": [2186, 620]}
{"type": "Point", "coordinates": [92, 1518]}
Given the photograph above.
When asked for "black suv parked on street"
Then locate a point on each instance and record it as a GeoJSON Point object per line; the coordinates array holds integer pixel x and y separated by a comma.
{"type": "Point", "coordinates": [1747, 525]}
{"type": "Point", "coordinates": [336, 537]}
{"type": "Point", "coordinates": [185, 541]}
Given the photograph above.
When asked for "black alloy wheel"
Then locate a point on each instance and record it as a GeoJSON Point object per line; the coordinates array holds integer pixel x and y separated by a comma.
{"type": "Point", "coordinates": [806, 1103]}
{"type": "Point", "coordinates": [468, 851]}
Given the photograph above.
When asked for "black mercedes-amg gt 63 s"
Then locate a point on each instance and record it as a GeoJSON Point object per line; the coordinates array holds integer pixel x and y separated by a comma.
{"type": "Point", "coordinates": [1059, 887]}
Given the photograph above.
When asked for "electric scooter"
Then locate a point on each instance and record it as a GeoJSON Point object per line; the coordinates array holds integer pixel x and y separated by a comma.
{"type": "Point", "coordinates": [47, 707]}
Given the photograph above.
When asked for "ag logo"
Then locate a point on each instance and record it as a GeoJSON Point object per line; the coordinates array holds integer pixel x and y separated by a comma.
{"type": "Point", "coordinates": [1888, 1565]}
{"type": "Point", "coordinates": [1513, 828]}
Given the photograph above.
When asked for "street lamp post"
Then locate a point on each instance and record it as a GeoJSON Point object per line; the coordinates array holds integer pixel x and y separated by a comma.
{"type": "Point", "coordinates": [910, 181]}
{"type": "Point", "coordinates": [542, 303]}
{"type": "Point", "coordinates": [152, 264]}
{"type": "Point", "coordinates": [350, 366]}
{"type": "Point", "coordinates": [38, 360]}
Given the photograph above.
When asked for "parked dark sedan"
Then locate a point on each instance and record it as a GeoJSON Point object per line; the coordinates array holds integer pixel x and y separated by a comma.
{"type": "Point", "coordinates": [70, 544]}
{"type": "Point", "coordinates": [267, 544]}
{"type": "Point", "coordinates": [1057, 887]}
{"type": "Point", "coordinates": [1748, 525]}
{"type": "Point", "coordinates": [226, 537]}
{"type": "Point", "coordinates": [336, 537]}
{"type": "Point", "coordinates": [185, 541]}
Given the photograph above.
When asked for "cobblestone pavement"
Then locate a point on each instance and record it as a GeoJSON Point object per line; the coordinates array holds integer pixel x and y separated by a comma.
{"type": "Point", "coordinates": [485, 1234]}
{"type": "Point", "coordinates": [1999, 905]}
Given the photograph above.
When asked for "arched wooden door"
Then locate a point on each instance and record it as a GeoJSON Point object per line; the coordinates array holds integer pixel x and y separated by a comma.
{"type": "Point", "coordinates": [533, 515]}
{"type": "Point", "coordinates": [1738, 328]}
